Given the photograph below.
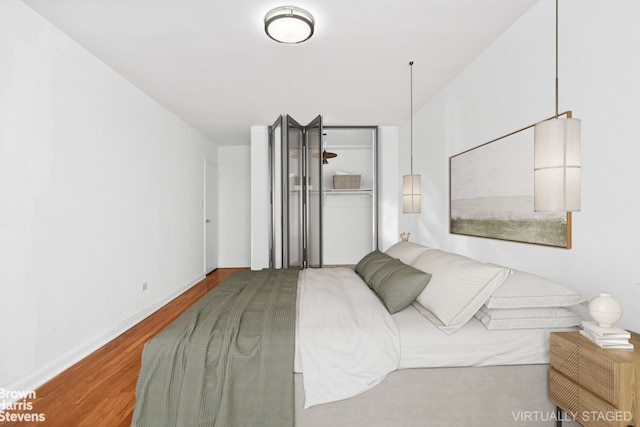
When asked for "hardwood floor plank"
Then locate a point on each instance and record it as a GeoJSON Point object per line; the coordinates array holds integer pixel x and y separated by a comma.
{"type": "Point", "coordinates": [99, 390]}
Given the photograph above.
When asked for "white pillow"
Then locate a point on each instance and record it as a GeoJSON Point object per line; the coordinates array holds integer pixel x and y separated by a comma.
{"type": "Point", "coordinates": [526, 290]}
{"type": "Point", "coordinates": [406, 252]}
{"type": "Point", "coordinates": [526, 318]}
{"type": "Point", "coordinates": [458, 287]}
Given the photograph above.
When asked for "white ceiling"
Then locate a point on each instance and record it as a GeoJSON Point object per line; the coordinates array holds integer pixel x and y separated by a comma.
{"type": "Point", "coordinates": [211, 64]}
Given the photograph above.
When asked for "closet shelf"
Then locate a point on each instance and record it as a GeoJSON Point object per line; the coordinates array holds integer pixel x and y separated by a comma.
{"type": "Point", "coordinates": [349, 191]}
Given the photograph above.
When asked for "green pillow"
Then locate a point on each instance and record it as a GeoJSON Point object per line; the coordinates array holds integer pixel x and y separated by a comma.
{"type": "Point", "coordinates": [368, 265]}
{"type": "Point", "coordinates": [382, 273]}
{"type": "Point", "coordinates": [401, 287]}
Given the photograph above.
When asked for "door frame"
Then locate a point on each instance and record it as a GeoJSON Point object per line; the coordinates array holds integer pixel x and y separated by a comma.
{"type": "Point", "coordinates": [206, 215]}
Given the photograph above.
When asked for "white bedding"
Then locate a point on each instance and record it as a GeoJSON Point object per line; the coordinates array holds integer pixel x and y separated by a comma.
{"type": "Point", "coordinates": [347, 340]}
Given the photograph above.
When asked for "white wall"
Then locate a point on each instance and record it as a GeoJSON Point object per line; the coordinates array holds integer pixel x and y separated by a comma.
{"type": "Point", "coordinates": [511, 85]}
{"type": "Point", "coordinates": [235, 206]}
{"type": "Point", "coordinates": [260, 200]}
{"type": "Point", "coordinates": [101, 191]}
{"type": "Point", "coordinates": [388, 186]}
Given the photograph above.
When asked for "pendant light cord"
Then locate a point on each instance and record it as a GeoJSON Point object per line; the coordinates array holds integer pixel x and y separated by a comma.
{"type": "Point", "coordinates": [411, 112]}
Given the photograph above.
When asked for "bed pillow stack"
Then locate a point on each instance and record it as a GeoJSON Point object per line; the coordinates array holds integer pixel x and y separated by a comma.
{"type": "Point", "coordinates": [396, 283]}
{"type": "Point", "coordinates": [458, 288]}
{"type": "Point", "coordinates": [526, 300]}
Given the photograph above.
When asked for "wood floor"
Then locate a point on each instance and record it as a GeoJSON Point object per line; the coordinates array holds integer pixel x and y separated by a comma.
{"type": "Point", "coordinates": [100, 389]}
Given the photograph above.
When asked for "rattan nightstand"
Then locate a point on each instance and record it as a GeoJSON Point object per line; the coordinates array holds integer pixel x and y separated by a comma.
{"type": "Point", "coordinates": [597, 387]}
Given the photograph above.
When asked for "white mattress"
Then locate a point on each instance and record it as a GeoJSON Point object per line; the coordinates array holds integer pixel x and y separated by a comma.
{"type": "Point", "coordinates": [423, 345]}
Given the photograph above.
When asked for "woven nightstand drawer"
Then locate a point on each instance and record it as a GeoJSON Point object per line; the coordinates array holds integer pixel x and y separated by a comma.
{"type": "Point", "coordinates": [563, 392]}
{"type": "Point", "coordinates": [589, 368]}
{"type": "Point", "coordinates": [596, 386]}
{"type": "Point", "coordinates": [581, 404]}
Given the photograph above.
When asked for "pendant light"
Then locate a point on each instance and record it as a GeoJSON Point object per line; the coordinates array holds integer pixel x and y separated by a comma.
{"type": "Point", "coordinates": [411, 200]}
{"type": "Point", "coordinates": [557, 166]}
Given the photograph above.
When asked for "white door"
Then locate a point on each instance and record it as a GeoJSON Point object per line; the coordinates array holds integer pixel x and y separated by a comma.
{"type": "Point", "coordinates": [211, 216]}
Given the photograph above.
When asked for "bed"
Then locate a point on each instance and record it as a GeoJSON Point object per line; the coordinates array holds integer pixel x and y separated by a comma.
{"type": "Point", "coordinates": [363, 347]}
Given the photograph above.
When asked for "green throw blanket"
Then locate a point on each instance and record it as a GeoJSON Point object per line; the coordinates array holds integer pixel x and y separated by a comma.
{"type": "Point", "coordinates": [227, 361]}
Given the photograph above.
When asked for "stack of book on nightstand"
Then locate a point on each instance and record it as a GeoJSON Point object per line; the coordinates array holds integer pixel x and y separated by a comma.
{"type": "Point", "coordinates": [613, 338]}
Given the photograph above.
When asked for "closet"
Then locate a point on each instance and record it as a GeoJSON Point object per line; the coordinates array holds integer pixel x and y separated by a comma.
{"type": "Point", "coordinates": [323, 193]}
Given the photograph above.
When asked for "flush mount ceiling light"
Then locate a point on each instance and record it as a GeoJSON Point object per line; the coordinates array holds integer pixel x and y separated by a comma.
{"type": "Point", "coordinates": [289, 24]}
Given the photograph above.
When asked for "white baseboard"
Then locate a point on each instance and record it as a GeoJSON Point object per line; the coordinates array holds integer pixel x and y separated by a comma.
{"type": "Point", "coordinates": [47, 372]}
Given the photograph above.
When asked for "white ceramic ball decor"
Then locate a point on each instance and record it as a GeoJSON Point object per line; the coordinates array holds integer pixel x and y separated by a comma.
{"type": "Point", "coordinates": [605, 310]}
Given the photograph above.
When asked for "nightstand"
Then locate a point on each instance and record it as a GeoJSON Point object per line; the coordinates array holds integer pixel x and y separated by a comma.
{"type": "Point", "coordinates": [597, 387]}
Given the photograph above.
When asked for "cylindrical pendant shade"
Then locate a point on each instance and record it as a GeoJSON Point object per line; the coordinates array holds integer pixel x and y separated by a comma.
{"type": "Point", "coordinates": [557, 165]}
{"type": "Point", "coordinates": [411, 200]}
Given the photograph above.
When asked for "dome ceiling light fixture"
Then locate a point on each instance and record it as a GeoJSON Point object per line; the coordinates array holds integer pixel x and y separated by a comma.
{"type": "Point", "coordinates": [289, 24]}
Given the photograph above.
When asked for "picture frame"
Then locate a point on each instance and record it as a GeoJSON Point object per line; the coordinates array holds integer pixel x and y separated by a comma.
{"type": "Point", "coordinates": [491, 194]}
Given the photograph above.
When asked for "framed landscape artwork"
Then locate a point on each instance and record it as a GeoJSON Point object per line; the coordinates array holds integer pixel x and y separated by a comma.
{"type": "Point", "coordinates": [491, 194]}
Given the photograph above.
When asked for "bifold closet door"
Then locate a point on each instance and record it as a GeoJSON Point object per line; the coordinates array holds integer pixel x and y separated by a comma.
{"type": "Point", "coordinates": [314, 235]}
{"type": "Point", "coordinates": [296, 170]}
{"type": "Point", "coordinates": [293, 190]}
{"type": "Point", "coordinates": [276, 140]}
